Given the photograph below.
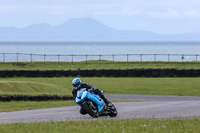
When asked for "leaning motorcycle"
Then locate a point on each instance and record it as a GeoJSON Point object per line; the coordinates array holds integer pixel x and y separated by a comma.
{"type": "Point", "coordinates": [93, 104]}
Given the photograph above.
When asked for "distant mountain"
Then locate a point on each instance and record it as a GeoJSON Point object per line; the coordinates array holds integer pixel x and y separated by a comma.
{"type": "Point", "coordinates": [85, 29]}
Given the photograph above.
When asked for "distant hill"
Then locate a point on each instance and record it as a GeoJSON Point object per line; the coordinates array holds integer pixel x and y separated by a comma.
{"type": "Point", "coordinates": [85, 29]}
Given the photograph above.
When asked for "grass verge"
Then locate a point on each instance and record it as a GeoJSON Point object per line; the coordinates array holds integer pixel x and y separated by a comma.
{"type": "Point", "coordinates": [121, 126]}
{"type": "Point", "coordinates": [96, 65]}
{"type": "Point", "coordinates": [31, 88]}
{"type": "Point", "coordinates": [139, 86]}
{"type": "Point", "coordinates": [29, 105]}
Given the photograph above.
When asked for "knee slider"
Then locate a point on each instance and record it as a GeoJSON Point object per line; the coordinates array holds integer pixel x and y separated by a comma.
{"type": "Point", "coordinates": [98, 92]}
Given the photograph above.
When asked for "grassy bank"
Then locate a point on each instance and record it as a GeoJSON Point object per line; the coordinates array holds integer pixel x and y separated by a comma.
{"type": "Point", "coordinates": [31, 88]}
{"type": "Point", "coordinates": [29, 105]}
{"type": "Point", "coordinates": [140, 86]}
{"type": "Point", "coordinates": [121, 126]}
{"type": "Point", "coordinates": [96, 65]}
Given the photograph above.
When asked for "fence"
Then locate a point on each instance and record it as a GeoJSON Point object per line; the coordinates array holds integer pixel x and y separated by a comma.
{"type": "Point", "coordinates": [23, 57]}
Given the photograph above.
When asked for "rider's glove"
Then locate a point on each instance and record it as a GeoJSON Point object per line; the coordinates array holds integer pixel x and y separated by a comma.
{"type": "Point", "coordinates": [92, 88]}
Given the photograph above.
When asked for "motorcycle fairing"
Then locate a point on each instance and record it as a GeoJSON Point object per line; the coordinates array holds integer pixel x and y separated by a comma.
{"type": "Point", "coordinates": [83, 95]}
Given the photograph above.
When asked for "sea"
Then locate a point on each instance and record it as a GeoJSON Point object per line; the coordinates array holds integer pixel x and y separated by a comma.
{"type": "Point", "coordinates": [99, 50]}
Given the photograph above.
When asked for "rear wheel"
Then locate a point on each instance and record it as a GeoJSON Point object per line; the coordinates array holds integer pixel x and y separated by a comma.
{"type": "Point", "coordinates": [91, 109]}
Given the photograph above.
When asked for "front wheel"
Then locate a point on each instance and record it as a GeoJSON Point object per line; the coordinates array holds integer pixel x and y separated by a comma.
{"type": "Point", "coordinates": [113, 111]}
{"type": "Point", "coordinates": [91, 109]}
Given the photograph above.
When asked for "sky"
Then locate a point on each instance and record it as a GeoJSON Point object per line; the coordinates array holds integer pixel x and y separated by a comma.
{"type": "Point", "coordinates": [159, 16]}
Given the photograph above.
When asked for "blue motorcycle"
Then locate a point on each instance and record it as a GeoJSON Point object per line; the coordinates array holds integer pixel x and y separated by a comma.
{"type": "Point", "coordinates": [94, 105]}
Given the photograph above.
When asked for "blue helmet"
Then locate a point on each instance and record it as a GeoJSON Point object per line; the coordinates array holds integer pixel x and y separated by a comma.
{"type": "Point", "coordinates": [76, 82]}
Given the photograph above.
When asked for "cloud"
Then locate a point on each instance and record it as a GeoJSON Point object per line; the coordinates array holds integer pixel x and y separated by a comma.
{"type": "Point", "coordinates": [123, 12]}
{"type": "Point", "coordinates": [154, 8]}
{"type": "Point", "coordinates": [192, 13]}
{"type": "Point", "coordinates": [167, 14]}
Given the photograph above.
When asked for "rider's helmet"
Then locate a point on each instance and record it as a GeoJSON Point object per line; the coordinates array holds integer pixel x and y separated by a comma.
{"type": "Point", "coordinates": [76, 82]}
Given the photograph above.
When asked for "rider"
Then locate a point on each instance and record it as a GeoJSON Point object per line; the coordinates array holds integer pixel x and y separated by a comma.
{"type": "Point", "coordinates": [76, 83]}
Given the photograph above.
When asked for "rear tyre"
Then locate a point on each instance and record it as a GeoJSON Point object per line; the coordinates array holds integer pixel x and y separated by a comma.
{"type": "Point", "coordinates": [91, 109]}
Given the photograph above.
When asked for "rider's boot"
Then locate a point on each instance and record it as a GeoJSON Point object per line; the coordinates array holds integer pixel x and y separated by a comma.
{"type": "Point", "coordinates": [100, 93]}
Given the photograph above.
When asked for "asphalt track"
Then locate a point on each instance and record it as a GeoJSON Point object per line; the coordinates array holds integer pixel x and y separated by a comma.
{"type": "Point", "coordinates": [151, 107]}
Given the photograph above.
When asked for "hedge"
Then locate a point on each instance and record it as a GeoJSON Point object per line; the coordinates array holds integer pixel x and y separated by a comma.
{"type": "Point", "coordinates": [103, 73]}
{"type": "Point", "coordinates": [34, 98]}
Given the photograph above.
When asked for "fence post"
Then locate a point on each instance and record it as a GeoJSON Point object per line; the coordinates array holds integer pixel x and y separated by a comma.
{"type": "Point", "coordinates": [72, 58]}
{"type": "Point", "coordinates": [31, 60]}
{"type": "Point", "coordinates": [168, 57]}
{"type": "Point", "coordinates": [4, 57]}
{"type": "Point", "coordinates": [17, 57]}
{"type": "Point", "coordinates": [99, 57]}
{"type": "Point", "coordinates": [58, 58]}
{"type": "Point", "coordinates": [182, 57]}
{"type": "Point", "coordinates": [127, 58]}
{"type": "Point", "coordinates": [196, 57]}
{"type": "Point", "coordinates": [86, 58]}
{"type": "Point", "coordinates": [154, 57]}
{"type": "Point", "coordinates": [44, 57]}
{"type": "Point", "coordinates": [140, 57]}
{"type": "Point", "coordinates": [113, 58]}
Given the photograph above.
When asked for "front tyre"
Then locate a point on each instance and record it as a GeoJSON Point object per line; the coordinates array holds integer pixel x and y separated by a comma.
{"type": "Point", "coordinates": [113, 111]}
{"type": "Point", "coordinates": [91, 109]}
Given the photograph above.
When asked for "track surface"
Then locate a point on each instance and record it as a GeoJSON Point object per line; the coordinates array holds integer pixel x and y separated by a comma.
{"type": "Point", "coordinates": [152, 107]}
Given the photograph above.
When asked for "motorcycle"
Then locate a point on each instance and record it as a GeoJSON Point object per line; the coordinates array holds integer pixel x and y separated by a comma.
{"type": "Point", "coordinates": [93, 104]}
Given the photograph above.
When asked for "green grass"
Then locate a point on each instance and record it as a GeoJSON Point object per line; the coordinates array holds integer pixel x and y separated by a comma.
{"type": "Point", "coordinates": [140, 86]}
{"type": "Point", "coordinates": [96, 65]}
{"type": "Point", "coordinates": [148, 86]}
{"type": "Point", "coordinates": [121, 126]}
{"type": "Point", "coordinates": [62, 86]}
{"type": "Point", "coordinates": [31, 88]}
{"type": "Point", "coordinates": [29, 105]}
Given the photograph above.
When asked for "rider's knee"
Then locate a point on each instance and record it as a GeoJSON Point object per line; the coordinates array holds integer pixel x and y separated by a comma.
{"type": "Point", "coordinates": [98, 92]}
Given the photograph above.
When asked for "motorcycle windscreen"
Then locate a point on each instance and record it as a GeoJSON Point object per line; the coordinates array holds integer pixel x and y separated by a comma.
{"type": "Point", "coordinates": [81, 94]}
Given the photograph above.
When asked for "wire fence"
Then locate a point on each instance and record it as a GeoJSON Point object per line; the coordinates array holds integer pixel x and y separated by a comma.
{"type": "Point", "coordinates": [24, 57]}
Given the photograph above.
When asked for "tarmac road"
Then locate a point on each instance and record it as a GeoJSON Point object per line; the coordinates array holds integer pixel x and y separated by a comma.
{"type": "Point", "coordinates": [152, 107]}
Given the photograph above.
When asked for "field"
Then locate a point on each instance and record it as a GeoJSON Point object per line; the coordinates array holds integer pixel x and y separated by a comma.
{"type": "Point", "coordinates": [62, 86]}
{"type": "Point", "coordinates": [121, 126]}
{"type": "Point", "coordinates": [96, 65]}
{"type": "Point", "coordinates": [140, 86]}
